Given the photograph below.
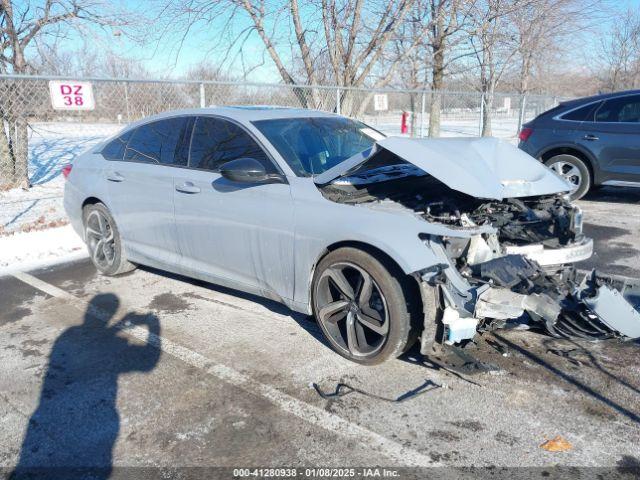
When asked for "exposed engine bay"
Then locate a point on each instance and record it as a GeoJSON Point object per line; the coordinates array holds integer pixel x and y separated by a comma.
{"type": "Point", "coordinates": [519, 273]}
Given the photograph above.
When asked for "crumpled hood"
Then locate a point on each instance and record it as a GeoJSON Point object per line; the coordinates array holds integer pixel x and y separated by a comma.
{"type": "Point", "coordinates": [480, 167]}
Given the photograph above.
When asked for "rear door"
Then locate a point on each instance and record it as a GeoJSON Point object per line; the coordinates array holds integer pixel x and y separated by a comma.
{"type": "Point", "coordinates": [238, 234]}
{"type": "Point", "coordinates": [141, 190]}
{"type": "Point", "coordinates": [614, 138]}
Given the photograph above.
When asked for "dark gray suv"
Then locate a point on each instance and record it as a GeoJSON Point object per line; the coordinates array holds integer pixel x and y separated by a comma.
{"type": "Point", "coordinates": [589, 141]}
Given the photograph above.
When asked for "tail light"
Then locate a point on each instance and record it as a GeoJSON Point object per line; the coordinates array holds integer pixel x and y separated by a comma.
{"type": "Point", "coordinates": [66, 170]}
{"type": "Point", "coordinates": [525, 133]}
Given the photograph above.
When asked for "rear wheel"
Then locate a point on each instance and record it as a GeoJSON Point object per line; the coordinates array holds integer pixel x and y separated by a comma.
{"type": "Point", "coordinates": [574, 170]}
{"type": "Point", "coordinates": [363, 307]}
{"type": "Point", "coordinates": [103, 241]}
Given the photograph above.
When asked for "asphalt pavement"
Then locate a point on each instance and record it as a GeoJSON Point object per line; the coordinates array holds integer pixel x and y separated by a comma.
{"type": "Point", "coordinates": [154, 370]}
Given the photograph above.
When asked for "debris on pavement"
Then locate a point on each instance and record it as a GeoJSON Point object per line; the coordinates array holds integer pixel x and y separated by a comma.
{"type": "Point", "coordinates": [343, 389]}
{"type": "Point", "coordinates": [556, 444]}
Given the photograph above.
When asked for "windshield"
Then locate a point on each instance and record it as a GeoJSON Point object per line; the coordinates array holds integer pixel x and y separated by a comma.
{"type": "Point", "coordinates": [312, 145]}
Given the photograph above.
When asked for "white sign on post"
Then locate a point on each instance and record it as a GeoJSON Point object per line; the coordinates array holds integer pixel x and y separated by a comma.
{"type": "Point", "coordinates": [70, 95]}
{"type": "Point", "coordinates": [380, 102]}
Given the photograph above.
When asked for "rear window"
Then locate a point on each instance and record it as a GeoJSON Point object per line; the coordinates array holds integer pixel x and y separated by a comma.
{"type": "Point", "coordinates": [114, 150]}
{"type": "Point", "coordinates": [156, 142]}
{"type": "Point", "coordinates": [582, 114]}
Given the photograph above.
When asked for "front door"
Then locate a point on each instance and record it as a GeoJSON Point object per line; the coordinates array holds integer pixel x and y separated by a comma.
{"type": "Point", "coordinates": [233, 233]}
{"type": "Point", "coordinates": [614, 138]}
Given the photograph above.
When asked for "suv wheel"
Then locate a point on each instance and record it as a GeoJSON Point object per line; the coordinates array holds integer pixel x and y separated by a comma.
{"type": "Point", "coordinates": [103, 241]}
{"type": "Point", "coordinates": [574, 170]}
{"type": "Point", "coordinates": [363, 309]}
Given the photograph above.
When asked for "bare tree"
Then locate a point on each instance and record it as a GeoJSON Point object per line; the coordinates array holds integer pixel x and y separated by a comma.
{"type": "Point", "coordinates": [620, 53]}
{"type": "Point", "coordinates": [21, 25]}
{"type": "Point", "coordinates": [543, 28]}
{"type": "Point", "coordinates": [494, 47]}
{"type": "Point", "coordinates": [447, 21]}
{"type": "Point", "coordinates": [352, 38]}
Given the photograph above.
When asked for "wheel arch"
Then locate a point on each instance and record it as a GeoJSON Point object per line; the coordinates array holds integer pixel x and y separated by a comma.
{"type": "Point", "coordinates": [91, 201]}
{"type": "Point", "coordinates": [385, 258]}
{"type": "Point", "coordinates": [575, 151]}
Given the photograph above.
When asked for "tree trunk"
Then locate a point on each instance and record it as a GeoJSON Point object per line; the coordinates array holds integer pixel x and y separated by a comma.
{"type": "Point", "coordinates": [437, 76]}
{"type": "Point", "coordinates": [486, 112]}
{"type": "Point", "coordinates": [7, 170]}
{"type": "Point", "coordinates": [436, 95]}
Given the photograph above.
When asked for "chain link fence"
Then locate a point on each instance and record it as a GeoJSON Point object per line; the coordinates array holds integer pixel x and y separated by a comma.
{"type": "Point", "coordinates": [37, 140]}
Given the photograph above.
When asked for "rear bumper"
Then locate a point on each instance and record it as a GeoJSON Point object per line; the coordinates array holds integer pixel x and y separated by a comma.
{"type": "Point", "coordinates": [73, 207]}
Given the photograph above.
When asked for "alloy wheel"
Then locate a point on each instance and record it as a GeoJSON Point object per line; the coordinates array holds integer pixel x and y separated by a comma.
{"type": "Point", "coordinates": [569, 172]}
{"type": "Point", "coordinates": [352, 309]}
{"type": "Point", "coordinates": [100, 239]}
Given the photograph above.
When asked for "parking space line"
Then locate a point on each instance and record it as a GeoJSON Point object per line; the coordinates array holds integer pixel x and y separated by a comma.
{"type": "Point", "coordinates": [42, 286]}
{"type": "Point", "coordinates": [287, 403]}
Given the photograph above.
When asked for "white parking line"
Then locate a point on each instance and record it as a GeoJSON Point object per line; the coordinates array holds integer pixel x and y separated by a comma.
{"type": "Point", "coordinates": [316, 416]}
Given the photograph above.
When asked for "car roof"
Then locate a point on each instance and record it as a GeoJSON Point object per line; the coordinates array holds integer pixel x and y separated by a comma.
{"type": "Point", "coordinates": [243, 113]}
{"type": "Point", "coordinates": [594, 98]}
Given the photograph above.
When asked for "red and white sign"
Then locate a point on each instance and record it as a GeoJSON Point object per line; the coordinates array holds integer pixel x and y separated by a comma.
{"type": "Point", "coordinates": [70, 95]}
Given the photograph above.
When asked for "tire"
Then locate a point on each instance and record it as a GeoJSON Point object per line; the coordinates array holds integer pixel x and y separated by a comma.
{"type": "Point", "coordinates": [382, 318]}
{"type": "Point", "coordinates": [574, 170]}
{"type": "Point", "coordinates": [103, 241]}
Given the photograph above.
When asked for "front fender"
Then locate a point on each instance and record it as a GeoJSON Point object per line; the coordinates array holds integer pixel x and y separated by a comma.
{"type": "Point", "coordinates": [396, 232]}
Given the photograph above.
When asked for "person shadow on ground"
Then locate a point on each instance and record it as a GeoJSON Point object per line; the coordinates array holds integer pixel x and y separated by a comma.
{"type": "Point", "coordinates": [72, 432]}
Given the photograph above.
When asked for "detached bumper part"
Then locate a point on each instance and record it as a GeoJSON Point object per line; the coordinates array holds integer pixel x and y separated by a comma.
{"type": "Point", "coordinates": [554, 256]}
{"type": "Point", "coordinates": [516, 288]}
{"type": "Point", "coordinates": [458, 328]}
{"type": "Point", "coordinates": [618, 311]}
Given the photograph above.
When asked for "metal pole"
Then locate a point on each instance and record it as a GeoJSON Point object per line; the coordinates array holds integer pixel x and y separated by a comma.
{"type": "Point", "coordinates": [203, 103]}
{"type": "Point", "coordinates": [422, 122]}
{"type": "Point", "coordinates": [338, 101]}
{"type": "Point", "coordinates": [126, 100]}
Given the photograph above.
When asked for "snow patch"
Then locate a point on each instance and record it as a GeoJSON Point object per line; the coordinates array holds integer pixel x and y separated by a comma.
{"type": "Point", "coordinates": [31, 250]}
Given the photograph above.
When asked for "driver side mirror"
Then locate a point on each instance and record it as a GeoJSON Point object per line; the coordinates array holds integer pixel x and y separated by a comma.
{"type": "Point", "coordinates": [248, 170]}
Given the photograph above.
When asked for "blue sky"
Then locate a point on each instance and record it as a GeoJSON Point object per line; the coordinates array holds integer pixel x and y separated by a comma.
{"type": "Point", "coordinates": [165, 59]}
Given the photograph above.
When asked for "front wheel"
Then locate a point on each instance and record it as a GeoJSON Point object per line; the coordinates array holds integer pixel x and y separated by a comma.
{"type": "Point", "coordinates": [103, 241]}
{"type": "Point", "coordinates": [574, 170]}
{"type": "Point", "coordinates": [363, 307]}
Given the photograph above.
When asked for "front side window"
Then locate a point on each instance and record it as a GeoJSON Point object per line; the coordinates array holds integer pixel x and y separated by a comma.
{"type": "Point", "coordinates": [156, 142]}
{"type": "Point", "coordinates": [216, 141]}
{"type": "Point", "coordinates": [312, 145]}
{"type": "Point", "coordinates": [620, 110]}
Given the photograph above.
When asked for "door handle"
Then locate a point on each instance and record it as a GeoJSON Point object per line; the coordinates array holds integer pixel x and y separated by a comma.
{"type": "Point", "coordinates": [591, 137]}
{"type": "Point", "coordinates": [187, 187]}
{"type": "Point", "coordinates": [115, 177]}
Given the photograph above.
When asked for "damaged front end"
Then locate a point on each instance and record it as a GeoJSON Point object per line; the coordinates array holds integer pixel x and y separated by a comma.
{"type": "Point", "coordinates": [519, 270]}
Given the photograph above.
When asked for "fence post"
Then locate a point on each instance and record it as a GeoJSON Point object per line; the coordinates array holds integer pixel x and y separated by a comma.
{"type": "Point", "coordinates": [422, 108]}
{"type": "Point", "coordinates": [126, 101]}
{"type": "Point", "coordinates": [203, 102]}
{"type": "Point", "coordinates": [481, 123]}
{"type": "Point", "coordinates": [338, 100]}
{"type": "Point", "coordinates": [523, 106]}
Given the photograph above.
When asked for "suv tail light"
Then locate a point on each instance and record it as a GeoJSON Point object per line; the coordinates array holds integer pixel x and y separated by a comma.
{"type": "Point", "coordinates": [66, 170]}
{"type": "Point", "coordinates": [525, 133]}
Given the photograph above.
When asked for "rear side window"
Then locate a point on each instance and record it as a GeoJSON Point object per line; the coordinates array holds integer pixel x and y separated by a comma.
{"type": "Point", "coordinates": [216, 141]}
{"type": "Point", "coordinates": [582, 114]}
{"type": "Point", "coordinates": [114, 150]}
{"type": "Point", "coordinates": [620, 110]}
{"type": "Point", "coordinates": [157, 142]}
